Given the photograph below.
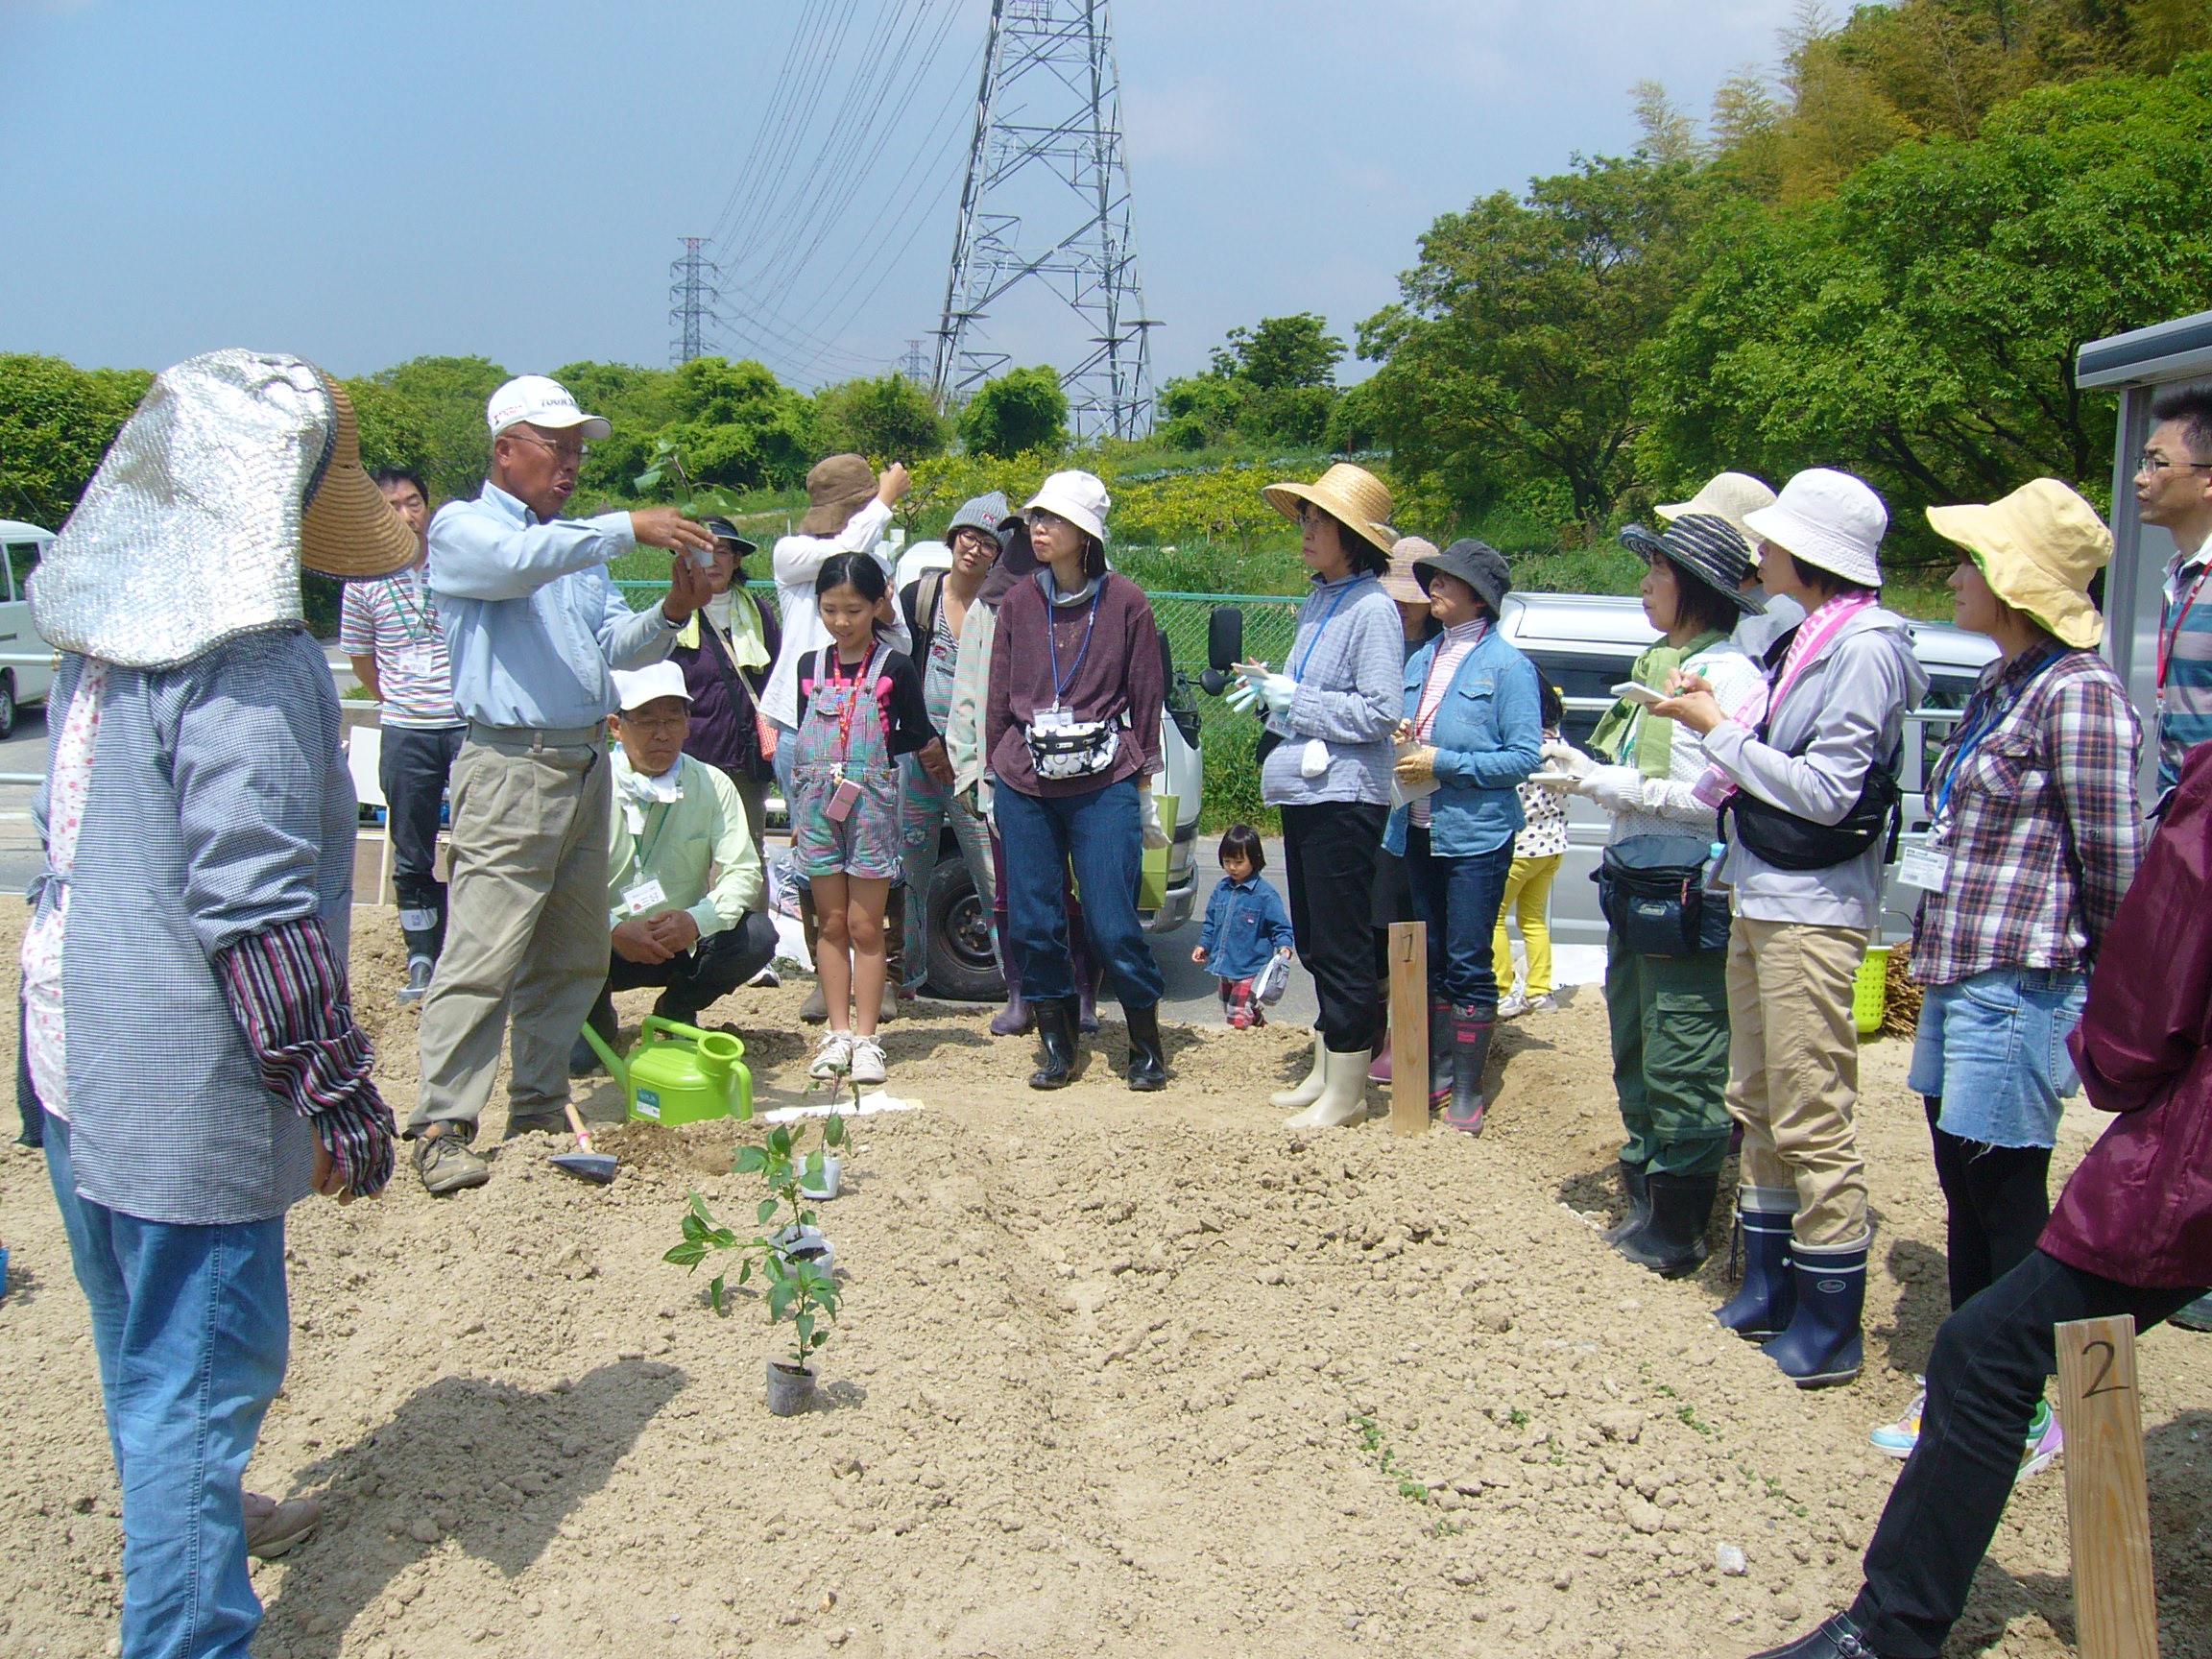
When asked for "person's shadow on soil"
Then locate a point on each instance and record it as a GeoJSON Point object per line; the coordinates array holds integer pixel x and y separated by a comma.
{"type": "Point", "coordinates": [2174, 1456]}
{"type": "Point", "coordinates": [1924, 1304]}
{"type": "Point", "coordinates": [496, 1468]}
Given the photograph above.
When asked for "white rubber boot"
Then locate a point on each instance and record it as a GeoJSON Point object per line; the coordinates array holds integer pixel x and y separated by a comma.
{"type": "Point", "coordinates": [1307, 1092]}
{"type": "Point", "coordinates": [1343, 1092]}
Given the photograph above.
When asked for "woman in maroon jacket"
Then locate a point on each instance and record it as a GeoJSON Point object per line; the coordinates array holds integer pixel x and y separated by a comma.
{"type": "Point", "coordinates": [1071, 736]}
{"type": "Point", "coordinates": [726, 652]}
{"type": "Point", "coordinates": [2132, 1234]}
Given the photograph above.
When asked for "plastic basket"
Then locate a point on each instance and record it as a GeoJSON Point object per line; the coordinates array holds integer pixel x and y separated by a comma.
{"type": "Point", "coordinates": [1870, 993]}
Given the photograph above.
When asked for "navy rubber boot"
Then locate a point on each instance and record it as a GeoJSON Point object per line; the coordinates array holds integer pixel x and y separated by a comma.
{"type": "Point", "coordinates": [1763, 1305]}
{"type": "Point", "coordinates": [1822, 1346]}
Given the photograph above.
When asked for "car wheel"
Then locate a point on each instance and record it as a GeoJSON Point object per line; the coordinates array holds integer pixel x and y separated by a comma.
{"type": "Point", "coordinates": [7, 703]}
{"type": "Point", "coordinates": [961, 964]}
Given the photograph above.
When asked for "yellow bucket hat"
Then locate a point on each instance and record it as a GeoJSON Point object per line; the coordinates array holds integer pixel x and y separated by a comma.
{"type": "Point", "coordinates": [2037, 549]}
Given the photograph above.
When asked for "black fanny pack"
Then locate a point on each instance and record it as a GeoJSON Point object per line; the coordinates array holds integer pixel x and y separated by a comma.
{"type": "Point", "coordinates": [1651, 889]}
{"type": "Point", "coordinates": [1789, 842]}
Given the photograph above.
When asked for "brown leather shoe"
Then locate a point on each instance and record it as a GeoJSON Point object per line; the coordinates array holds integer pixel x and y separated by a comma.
{"type": "Point", "coordinates": [272, 1529]}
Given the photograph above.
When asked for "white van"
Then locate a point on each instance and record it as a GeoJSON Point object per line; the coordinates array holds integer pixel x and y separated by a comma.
{"type": "Point", "coordinates": [21, 682]}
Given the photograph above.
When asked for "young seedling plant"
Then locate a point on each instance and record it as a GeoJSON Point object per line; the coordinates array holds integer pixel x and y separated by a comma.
{"type": "Point", "coordinates": [796, 1287]}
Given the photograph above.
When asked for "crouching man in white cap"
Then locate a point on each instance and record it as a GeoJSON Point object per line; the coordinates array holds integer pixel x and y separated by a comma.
{"type": "Point", "coordinates": [187, 1018]}
{"type": "Point", "coordinates": [683, 872]}
{"type": "Point", "coordinates": [533, 625]}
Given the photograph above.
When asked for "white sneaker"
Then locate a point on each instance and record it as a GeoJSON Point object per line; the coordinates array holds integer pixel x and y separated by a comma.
{"type": "Point", "coordinates": [1543, 1004]}
{"type": "Point", "coordinates": [1513, 1007]}
{"type": "Point", "coordinates": [832, 1057]}
{"type": "Point", "coordinates": [867, 1061]}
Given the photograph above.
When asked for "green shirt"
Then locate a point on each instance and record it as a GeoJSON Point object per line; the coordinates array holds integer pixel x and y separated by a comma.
{"type": "Point", "coordinates": [698, 847]}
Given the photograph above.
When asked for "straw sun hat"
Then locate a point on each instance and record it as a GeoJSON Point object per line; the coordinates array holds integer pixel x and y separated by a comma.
{"type": "Point", "coordinates": [1352, 495]}
{"type": "Point", "coordinates": [348, 529]}
{"type": "Point", "coordinates": [2037, 549]}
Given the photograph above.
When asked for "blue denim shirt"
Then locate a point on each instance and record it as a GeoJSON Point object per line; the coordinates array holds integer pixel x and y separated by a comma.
{"type": "Point", "coordinates": [1488, 737]}
{"type": "Point", "coordinates": [1245, 925]}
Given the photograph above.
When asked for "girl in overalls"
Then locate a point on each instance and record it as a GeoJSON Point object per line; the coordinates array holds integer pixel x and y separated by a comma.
{"type": "Point", "coordinates": [860, 707]}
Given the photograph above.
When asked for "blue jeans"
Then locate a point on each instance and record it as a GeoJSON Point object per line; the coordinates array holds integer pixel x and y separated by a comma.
{"type": "Point", "coordinates": [1992, 1048]}
{"type": "Point", "coordinates": [1102, 832]}
{"type": "Point", "coordinates": [192, 1330]}
{"type": "Point", "coordinates": [1459, 900]}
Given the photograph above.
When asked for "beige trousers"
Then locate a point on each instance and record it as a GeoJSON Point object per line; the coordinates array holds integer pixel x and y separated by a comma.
{"type": "Point", "coordinates": [1793, 1074]}
{"type": "Point", "coordinates": [526, 939]}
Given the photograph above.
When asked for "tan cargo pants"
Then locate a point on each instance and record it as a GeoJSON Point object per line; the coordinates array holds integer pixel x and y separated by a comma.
{"type": "Point", "coordinates": [1793, 1074]}
{"type": "Point", "coordinates": [526, 939]}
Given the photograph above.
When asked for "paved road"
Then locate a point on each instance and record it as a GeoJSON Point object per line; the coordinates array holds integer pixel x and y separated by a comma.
{"type": "Point", "coordinates": [24, 752]}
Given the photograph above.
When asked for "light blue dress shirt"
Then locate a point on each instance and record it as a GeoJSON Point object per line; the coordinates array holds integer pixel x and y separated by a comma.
{"type": "Point", "coordinates": [532, 622]}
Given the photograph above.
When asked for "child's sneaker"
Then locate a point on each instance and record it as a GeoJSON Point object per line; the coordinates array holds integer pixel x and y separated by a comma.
{"type": "Point", "coordinates": [1513, 1006]}
{"type": "Point", "coordinates": [1898, 1438]}
{"type": "Point", "coordinates": [1543, 1004]}
{"type": "Point", "coordinates": [832, 1057]}
{"type": "Point", "coordinates": [867, 1061]}
{"type": "Point", "coordinates": [2045, 1441]}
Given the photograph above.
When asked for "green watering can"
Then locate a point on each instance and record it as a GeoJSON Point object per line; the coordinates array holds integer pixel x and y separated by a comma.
{"type": "Point", "coordinates": [690, 1079]}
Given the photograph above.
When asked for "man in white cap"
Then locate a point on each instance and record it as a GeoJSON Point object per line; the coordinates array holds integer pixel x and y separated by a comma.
{"type": "Point", "coordinates": [682, 873]}
{"type": "Point", "coordinates": [533, 625]}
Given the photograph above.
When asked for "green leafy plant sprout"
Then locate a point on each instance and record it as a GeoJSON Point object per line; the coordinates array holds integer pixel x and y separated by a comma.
{"type": "Point", "coordinates": [795, 1287]}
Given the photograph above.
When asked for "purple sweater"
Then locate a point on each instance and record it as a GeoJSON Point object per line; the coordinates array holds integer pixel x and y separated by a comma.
{"type": "Point", "coordinates": [1119, 675]}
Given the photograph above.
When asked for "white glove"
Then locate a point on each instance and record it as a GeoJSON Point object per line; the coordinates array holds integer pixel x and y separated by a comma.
{"type": "Point", "coordinates": [1148, 814]}
{"type": "Point", "coordinates": [1568, 758]}
{"type": "Point", "coordinates": [1616, 788]}
{"type": "Point", "coordinates": [1273, 691]}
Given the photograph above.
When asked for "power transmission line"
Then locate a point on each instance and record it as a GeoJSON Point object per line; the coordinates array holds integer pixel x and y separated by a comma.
{"type": "Point", "coordinates": [1049, 114]}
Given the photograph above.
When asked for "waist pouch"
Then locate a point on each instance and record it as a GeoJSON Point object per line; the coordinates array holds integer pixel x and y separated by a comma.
{"type": "Point", "coordinates": [1076, 749]}
{"type": "Point", "coordinates": [1789, 842]}
{"type": "Point", "coordinates": [1651, 889]}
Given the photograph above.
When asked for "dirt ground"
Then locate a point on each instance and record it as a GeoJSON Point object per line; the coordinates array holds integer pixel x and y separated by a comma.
{"type": "Point", "coordinates": [1115, 1375]}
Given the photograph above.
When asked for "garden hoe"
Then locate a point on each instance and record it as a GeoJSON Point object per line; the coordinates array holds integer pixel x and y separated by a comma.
{"type": "Point", "coordinates": [585, 1164]}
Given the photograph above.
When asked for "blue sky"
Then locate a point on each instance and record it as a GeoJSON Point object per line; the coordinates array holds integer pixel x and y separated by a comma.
{"type": "Point", "coordinates": [363, 183]}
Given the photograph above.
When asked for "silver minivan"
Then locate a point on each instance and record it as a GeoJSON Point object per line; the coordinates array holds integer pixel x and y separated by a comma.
{"type": "Point", "coordinates": [1584, 644]}
{"type": "Point", "coordinates": [21, 682]}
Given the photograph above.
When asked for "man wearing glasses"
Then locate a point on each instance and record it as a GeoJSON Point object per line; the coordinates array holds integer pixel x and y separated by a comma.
{"type": "Point", "coordinates": [533, 625]}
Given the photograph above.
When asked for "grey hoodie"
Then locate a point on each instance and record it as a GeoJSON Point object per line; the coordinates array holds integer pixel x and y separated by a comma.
{"type": "Point", "coordinates": [1844, 713]}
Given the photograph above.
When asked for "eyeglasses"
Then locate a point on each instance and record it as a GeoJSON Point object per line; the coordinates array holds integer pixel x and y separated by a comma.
{"type": "Point", "coordinates": [561, 451]}
{"type": "Point", "coordinates": [2152, 463]}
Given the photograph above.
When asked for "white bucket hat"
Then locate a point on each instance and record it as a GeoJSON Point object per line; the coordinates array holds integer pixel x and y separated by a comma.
{"type": "Point", "coordinates": [1827, 518]}
{"type": "Point", "coordinates": [1077, 498]}
{"type": "Point", "coordinates": [1729, 496]}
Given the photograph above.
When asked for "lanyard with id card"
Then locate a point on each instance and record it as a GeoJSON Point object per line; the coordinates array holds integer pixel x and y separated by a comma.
{"type": "Point", "coordinates": [846, 795]}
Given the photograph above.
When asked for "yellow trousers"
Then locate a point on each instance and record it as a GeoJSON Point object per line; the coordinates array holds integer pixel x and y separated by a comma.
{"type": "Point", "coordinates": [1528, 897]}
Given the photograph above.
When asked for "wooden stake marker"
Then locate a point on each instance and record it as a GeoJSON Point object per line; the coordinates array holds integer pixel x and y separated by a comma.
{"type": "Point", "coordinates": [1409, 1029]}
{"type": "Point", "coordinates": [2108, 1497]}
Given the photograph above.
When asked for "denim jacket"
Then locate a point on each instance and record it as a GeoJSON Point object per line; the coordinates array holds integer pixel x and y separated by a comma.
{"type": "Point", "coordinates": [1245, 925]}
{"type": "Point", "coordinates": [1487, 736]}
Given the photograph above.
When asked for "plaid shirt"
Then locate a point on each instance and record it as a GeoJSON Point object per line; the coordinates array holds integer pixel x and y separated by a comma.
{"type": "Point", "coordinates": [2044, 832]}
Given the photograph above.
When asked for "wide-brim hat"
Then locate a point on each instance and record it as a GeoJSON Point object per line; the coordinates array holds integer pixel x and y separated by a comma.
{"type": "Point", "coordinates": [1079, 497]}
{"type": "Point", "coordinates": [349, 528]}
{"type": "Point", "coordinates": [1352, 495]}
{"type": "Point", "coordinates": [722, 530]}
{"type": "Point", "coordinates": [1400, 581]}
{"type": "Point", "coordinates": [1705, 547]}
{"type": "Point", "coordinates": [1830, 520]}
{"type": "Point", "coordinates": [2038, 549]}
{"type": "Point", "coordinates": [838, 487]}
{"type": "Point", "coordinates": [1731, 496]}
{"type": "Point", "coordinates": [1478, 563]}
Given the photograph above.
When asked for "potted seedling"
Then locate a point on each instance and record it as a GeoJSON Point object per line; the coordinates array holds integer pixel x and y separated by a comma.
{"type": "Point", "coordinates": [787, 1252]}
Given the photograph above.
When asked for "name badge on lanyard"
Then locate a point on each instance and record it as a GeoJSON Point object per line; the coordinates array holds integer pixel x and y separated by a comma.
{"type": "Point", "coordinates": [1927, 868]}
{"type": "Point", "coordinates": [642, 898]}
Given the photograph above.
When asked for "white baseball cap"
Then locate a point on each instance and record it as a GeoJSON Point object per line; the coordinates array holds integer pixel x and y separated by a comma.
{"type": "Point", "coordinates": [542, 402]}
{"type": "Point", "coordinates": [635, 688]}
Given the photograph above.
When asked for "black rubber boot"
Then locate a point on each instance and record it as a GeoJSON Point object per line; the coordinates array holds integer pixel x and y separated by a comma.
{"type": "Point", "coordinates": [1671, 1244]}
{"type": "Point", "coordinates": [1056, 1036]}
{"type": "Point", "coordinates": [1439, 1053]}
{"type": "Point", "coordinates": [1470, 1032]}
{"type": "Point", "coordinates": [1634, 1189]}
{"type": "Point", "coordinates": [1147, 1059]}
{"type": "Point", "coordinates": [1822, 1346]}
{"type": "Point", "coordinates": [1762, 1307]}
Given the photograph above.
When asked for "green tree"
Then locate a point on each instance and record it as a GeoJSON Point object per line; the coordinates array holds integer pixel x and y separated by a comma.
{"type": "Point", "coordinates": [1513, 353]}
{"type": "Point", "coordinates": [56, 422]}
{"type": "Point", "coordinates": [1274, 383]}
{"type": "Point", "coordinates": [1921, 326]}
{"type": "Point", "coordinates": [450, 394]}
{"type": "Point", "coordinates": [393, 432]}
{"type": "Point", "coordinates": [890, 418]}
{"type": "Point", "coordinates": [1022, 410]}
{"type": "Point", "coordinates": [637, 402]}
{"type": "Point", "coordinates": [739, 426]}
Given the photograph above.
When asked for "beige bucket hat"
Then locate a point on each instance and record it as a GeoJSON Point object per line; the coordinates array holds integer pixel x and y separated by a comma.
{"type": "Point", "coordinates": [1731, 496]}
{"type": "Point", "coordinates": [1400, 581]}
{"type": "Point", "coordinates": [1352, 495]}
{"type": "Point", "coordinates": [2037, 549]}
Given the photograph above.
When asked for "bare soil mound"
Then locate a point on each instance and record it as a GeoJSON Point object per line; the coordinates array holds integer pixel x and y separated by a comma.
{"type": "Point", "coordinates": [1116, 1374]}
